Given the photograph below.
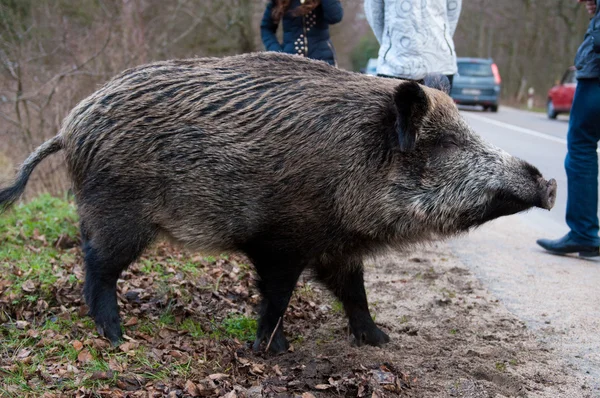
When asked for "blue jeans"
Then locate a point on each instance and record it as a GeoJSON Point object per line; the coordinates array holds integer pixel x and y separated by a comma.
{"type": "Point", "coordinates": [581, 163]}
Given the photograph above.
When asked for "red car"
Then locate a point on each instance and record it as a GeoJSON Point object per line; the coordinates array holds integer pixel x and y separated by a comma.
{"type": "Point", "coordinates": [560, 97]}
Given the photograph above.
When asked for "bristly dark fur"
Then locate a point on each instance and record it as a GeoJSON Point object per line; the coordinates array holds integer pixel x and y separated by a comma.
{"type": "Point", "coordinates": [293, 162]}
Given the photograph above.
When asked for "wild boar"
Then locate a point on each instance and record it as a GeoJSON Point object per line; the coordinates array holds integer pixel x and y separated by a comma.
{"type": "Point", "coordinates": [292, 162]}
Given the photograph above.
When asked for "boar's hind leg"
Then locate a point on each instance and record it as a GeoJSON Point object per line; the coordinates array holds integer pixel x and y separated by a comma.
{"type": "Point", "coordinates": [345, 279]}
{"type": "Point", "coordinates": [108, 249]}
{"type": "Point", "coordinates": [277, 279]}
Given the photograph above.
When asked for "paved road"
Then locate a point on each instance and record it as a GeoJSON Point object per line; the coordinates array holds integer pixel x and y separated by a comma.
{"type": "Point", "coordinates": [558, 297]}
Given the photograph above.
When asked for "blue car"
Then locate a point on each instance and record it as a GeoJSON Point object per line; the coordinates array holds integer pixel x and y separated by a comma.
{"type": "Point", "coordinates": [477, 83]}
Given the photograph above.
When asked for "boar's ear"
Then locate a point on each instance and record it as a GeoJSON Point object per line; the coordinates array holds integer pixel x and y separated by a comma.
{"type": "Point", "coordinates": [437, 81]}
{"type": "Point", "coordinates": [411, 106]}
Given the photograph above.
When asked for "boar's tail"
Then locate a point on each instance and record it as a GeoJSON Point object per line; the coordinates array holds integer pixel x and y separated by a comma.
{"type": "Point", "coordinates": [9, 195]}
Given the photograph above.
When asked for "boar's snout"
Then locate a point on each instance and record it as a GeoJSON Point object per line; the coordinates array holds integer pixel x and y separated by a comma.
{"type": "Point", "coordinates": [520, 189]}
{"type": "Point", "coordinates": [547, 193]}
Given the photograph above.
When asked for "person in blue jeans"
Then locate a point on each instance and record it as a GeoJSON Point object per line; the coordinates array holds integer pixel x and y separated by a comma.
{"type": "Point", "coordinates": [305, 27]}
{"type": "Point", "coordinates": [581, 163]}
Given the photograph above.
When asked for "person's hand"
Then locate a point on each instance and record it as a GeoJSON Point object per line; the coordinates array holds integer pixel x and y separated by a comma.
{"type": "Point", "coordinates": [590, 5]}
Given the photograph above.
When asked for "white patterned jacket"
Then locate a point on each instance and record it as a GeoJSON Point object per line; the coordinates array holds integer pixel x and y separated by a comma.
{"type": "Point", "coordinates": [415, 36]}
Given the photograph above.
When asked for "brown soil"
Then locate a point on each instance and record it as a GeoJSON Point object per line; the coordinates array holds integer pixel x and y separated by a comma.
{"type": "Point", "coordinates": [450, 338]}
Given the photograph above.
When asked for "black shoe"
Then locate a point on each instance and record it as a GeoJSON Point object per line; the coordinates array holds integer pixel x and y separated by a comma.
{"type": "Point", "coordinates": [566, 245]}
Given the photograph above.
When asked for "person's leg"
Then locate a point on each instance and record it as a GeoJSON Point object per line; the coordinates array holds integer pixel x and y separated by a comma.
{"type": "Point", "coordinates": [581, 163]}
{"type": "Point", "coordinates": [450, 79]}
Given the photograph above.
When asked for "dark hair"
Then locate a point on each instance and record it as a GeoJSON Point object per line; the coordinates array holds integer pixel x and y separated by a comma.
{"type": "Point", "coordinates": [280, 7]}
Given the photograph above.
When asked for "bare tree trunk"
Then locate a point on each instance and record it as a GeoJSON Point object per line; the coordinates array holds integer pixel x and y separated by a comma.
{"type": "Point", "coordinates": [246, 12]}
{"type": "Point", "coordinates": [490, 42]}
{"type": "Point", "coordinates": [134, 41]}
{"type": "Point", "coordinates": [481, 46]}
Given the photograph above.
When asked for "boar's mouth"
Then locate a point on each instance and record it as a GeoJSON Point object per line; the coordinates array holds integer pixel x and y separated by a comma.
{"type": "Point", "coordinates": [505, 203]}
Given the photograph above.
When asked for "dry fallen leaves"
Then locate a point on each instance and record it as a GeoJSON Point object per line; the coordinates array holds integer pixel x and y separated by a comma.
{"type": "Point", "coordinates": [218, 376]}
{"type": "Point", "coordinates": [22, 325]}
{"type": "Point", "coordinates": [100, 344]}
{"type": "Point", "coordinates": [84, 356]}
{"type": "Point", "coordinates": [191, 389]}
{"type": "Point", "coordinates": [23, 353]}
{"type": "Point", "coordinates": [33, 333]}
{"type": "Point", "coordinates": [128, 346]}
{"type": "Point", "coordinates": [28, 286]}
{"type": "Point", "coordinates": [132, 321]}
{"type": "Point", "coordinates": [383, 377]}
{"type": "Point", "coordinates": [164, 344]}
{"type": "Point", "coordinates": [78, 345]}
{"type": "Point", "coordinates": [100, 375]}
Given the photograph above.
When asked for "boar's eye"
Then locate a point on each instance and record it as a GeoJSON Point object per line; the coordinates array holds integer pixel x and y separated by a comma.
{"type": "Point", "coordinates": [449, 142]}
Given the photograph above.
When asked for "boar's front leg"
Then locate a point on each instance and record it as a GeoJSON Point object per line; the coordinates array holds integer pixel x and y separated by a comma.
{"type": "Point", "coordinates": [345, 279]}
{"type": "Point", "coordinates": [276, 282]}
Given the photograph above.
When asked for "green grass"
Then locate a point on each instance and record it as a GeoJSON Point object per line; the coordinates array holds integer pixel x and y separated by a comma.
{"type": "Point", "coordinates": [193, 328]}
{"type": "Point", "coordinates": [337, 307]}
{"type": "Point", "coordinates": [17, 378]}
{"type": "Point", "coordinates": [32, 265]}
{"type": "Point", "coordinates": [147, 328]}
{"type": "Point", "coordinates": [234, 326]}
{"type": "Point", "coordinates": [20, 379]}
{"type": "Point", "coordinates": [28, 258]}
{"type": "Point", "coordinates": [167, 318]}
{"type": "Point", "coordinates": [240, 327]}
{"type": "Point", "coordinates": [36, 270]}
{"type": "Point", "coordinates": [299, 339]}
{"type": "Point", "coordinates": [148, 266]}
{"type": "Point", "coordinates": [17, 381]}
{"type": "Point", "coordinates": [189, 267]}
{"type": "Point", "coordinates": [50, 216]}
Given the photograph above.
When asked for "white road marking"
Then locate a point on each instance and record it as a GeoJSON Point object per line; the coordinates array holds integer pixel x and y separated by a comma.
{"type": "Point", "coordinates": [516, 128]}
{"type": "Point", "coordinates": [519, 129]}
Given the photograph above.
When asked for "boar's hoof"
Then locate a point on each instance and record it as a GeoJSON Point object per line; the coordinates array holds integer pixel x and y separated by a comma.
{"type": "Point", "coordinates": [278, 345]}
{"type": "Point", "coordinates": [112, 332]}
{"type": "Point", "coordinates": [370, 335]}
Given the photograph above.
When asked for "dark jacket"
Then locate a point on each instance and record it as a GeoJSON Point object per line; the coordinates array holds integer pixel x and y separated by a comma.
{"type": "Point", "coordinates": [306, 35]}
{"type": "Point", "coordinates": [587, 60]}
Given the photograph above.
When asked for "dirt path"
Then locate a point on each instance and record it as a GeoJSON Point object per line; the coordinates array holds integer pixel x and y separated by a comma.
{"type": "Point", "coordinates": [450, 337]}
{"type": "Point", "coordinates": [557, 297]}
